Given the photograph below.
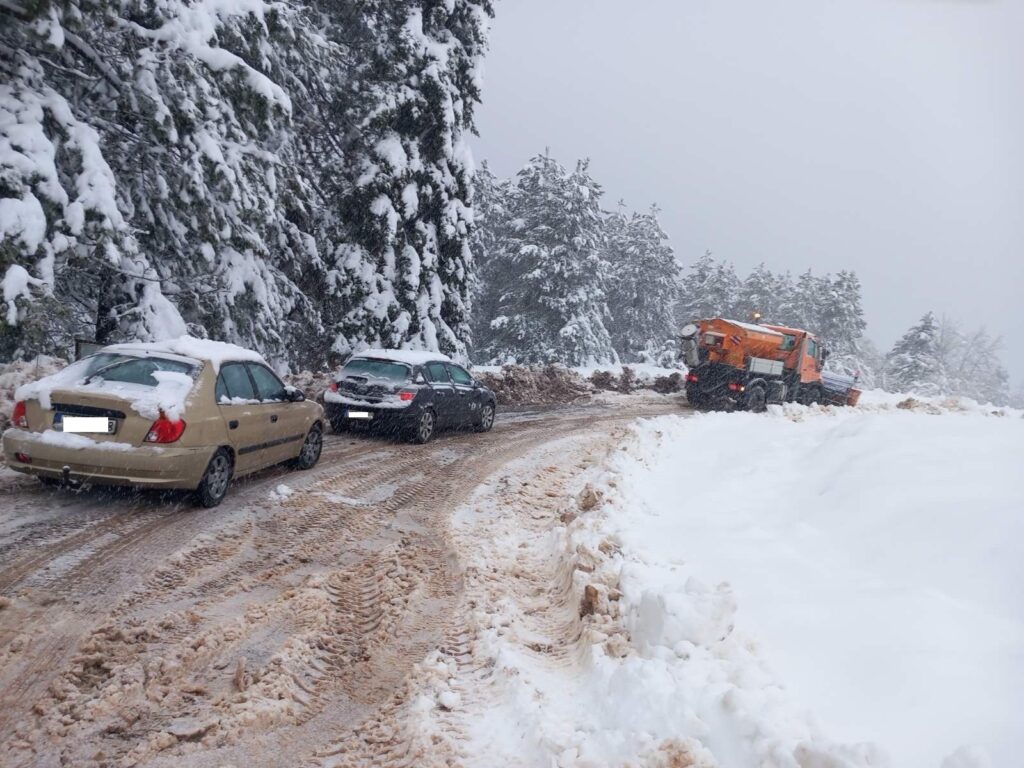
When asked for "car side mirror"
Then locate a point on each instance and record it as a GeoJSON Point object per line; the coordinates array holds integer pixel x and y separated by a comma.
{"type": "Point", "coordinates": [477, 384]}
{"type": "Point", "coordinates": [294, 395]}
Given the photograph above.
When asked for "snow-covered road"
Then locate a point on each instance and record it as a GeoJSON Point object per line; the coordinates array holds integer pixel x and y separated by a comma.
{"type": "Point", "coordinates": [811, 588]}
{"type": "Point", "coordinates": [278, 629]}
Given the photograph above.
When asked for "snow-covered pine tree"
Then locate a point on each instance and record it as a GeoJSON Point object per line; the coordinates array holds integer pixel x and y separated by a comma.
{"type": "Point", "coordinates": [914, 364]}
{"type": "Point", "coordinates": [810, 294]}
{"type": "Point", "coordinates": [841, 323]}
{"type": "Point", "coordinates": [491, 209]}
{"type": "Point", "coordinates": [401, 274]}
{"type": "Point", "coordinates": [644, 285]}
{"type": "Point", "coordinates": [551, 306]}
{"type": "Point", "coordinates": [709, 288]}
{"type": "Point", "coordinates": [164, 136]}
{"type": "Point", "coordinates": [969, 364]}
{"type": "Point", "coordinates": [217, 165]}
{"type": "Point", "coordinates": [764, 292]}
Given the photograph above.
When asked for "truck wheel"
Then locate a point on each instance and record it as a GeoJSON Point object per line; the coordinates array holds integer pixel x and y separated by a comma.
{"type": "Point", "coordinates": [810, 396]}
{"type": "Point", "coordinates": [756, 400]}
{"type": "Point", "coordinates": [693, 397]}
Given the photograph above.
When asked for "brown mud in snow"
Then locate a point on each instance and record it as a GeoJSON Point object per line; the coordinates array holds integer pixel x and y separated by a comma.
{"type": "Point", "coordinates": [270, 631]}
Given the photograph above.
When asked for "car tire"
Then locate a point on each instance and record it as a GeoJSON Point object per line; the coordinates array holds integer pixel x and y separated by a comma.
{"type": "Point", "coordinates": [486, 420]}
{"type": "Point", "coordinates": [216, 479]}
{"type": "Point", "coordinates": [755, 400]}
{"type": "Point", "coordinates": [425, 427]}
{"type": "Point", "coordinates": [312, 446]}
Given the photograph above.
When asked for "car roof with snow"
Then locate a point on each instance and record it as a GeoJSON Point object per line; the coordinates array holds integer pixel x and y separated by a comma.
{"type": "Point", "coordinates": [188, 347]}
{"type": "Point", "coordinates": [407, 356]}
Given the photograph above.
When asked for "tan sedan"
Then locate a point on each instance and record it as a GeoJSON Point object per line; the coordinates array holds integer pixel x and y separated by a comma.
{"type": "Point", "coordinates": [187, 414]}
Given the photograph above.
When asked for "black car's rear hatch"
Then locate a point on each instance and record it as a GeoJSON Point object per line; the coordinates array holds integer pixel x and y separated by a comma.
{"type": "Point", "coordinates": [372, 381]}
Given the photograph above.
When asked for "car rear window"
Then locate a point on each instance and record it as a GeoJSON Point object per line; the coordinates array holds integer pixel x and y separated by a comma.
{"type": "Point", "coordinates": [377, 369]}
{"type": "Point", "coordinates": [136, 370]}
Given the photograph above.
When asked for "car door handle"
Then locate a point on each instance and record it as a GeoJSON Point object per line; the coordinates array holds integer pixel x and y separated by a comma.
{"type": "Point", "coordinates": [273, 417]}
{"type": "Point", "coordinates": [233, 424]}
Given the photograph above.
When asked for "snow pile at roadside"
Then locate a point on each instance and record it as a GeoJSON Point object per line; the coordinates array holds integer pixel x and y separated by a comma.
{"type": "Point", "coordinates": [18, 373]}
{"type": "Point", "coordinates": [806, 576]}
{"type": "Point", "coordinates": [879, 399]}
{"type": "Point", "coordinates": [644, 372]}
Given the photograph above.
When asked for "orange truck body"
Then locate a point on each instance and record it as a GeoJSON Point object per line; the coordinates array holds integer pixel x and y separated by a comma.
{"type": "Point", "coordinates": [734, 358]}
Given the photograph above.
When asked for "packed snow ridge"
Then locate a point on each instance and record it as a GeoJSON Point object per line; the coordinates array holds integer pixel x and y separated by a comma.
{"type": "Point", "coordinates": [811, 588]}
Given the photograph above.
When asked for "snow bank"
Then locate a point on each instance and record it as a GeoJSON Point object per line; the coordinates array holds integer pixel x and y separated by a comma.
{"type": "Point", "coordinates": [16, 374]}
{"type": "Point", "coordinates": [645, 373]}
{"type": "Point", "coordinates": [874, 556]}
{"type": "Point", "coordinates": [879, 399]}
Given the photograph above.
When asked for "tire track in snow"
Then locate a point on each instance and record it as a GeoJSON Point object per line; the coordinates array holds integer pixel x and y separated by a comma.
{"type": "Point", "coordinates": [297, 620]}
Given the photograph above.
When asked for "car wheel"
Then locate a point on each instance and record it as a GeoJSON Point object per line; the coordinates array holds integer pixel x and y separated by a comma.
{"type": "Point", "coordinates": [755, 401]}
{"type": "Point", "coordinates": [216, 479]}
{"type": "Point", "coordinates": [339, 424]}
{"type": "Point", "coordinates": [309, 455]}
{"type": "Point", "coordinates": [486, 420]}
{"type": "Point", "coordinates": [424, 431]}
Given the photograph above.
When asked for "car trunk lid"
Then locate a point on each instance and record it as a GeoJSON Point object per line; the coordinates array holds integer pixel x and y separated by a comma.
{"type": "Point", "coordinates": [121, 409]}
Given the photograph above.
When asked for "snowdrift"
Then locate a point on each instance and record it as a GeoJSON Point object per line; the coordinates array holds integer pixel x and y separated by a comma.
{"type": "Point", "coordinates": [814, 577]}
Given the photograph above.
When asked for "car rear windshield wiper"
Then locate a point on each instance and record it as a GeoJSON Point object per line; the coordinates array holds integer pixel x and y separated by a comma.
{"type": "Point", "coordinates": [107, 367]}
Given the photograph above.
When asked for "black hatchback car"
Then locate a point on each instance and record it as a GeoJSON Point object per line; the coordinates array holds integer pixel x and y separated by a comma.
{"type": "Point", "coordinates": [410, 393]}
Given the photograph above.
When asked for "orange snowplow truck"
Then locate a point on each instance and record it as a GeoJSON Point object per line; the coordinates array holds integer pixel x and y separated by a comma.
{"type": "Point", "coordinates": [735, 365]}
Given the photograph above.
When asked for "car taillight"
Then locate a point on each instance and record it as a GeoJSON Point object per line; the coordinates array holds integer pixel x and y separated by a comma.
{"type": "Point", "coordinates": [406, 395]}
{"type": "Point", "coordinates": [692, 378]}
{"type": "Point", "coordinates": [333, 386]}
{"type": "Point", "coordinates": [735, 387]}
{"type": "Point", "coordinates": [19, 417]}
{"type": "Point", "coordinates": [165, 431]}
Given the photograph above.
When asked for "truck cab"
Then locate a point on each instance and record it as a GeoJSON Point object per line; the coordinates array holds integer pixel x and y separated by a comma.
{"type": "Point", "coordinates": [806, 354]}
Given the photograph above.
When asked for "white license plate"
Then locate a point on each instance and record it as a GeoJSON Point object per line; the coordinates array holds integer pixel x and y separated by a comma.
{"type": "Point", "coordinates": [360, 415]}
{"type": "Point", "coordinates": [90, 425]}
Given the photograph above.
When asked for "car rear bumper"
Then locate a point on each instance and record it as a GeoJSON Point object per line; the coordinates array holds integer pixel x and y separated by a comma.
{"type": "Point", "coordinates": [389, 417]}
{"type": "Point", "coordinates": [144, 466]}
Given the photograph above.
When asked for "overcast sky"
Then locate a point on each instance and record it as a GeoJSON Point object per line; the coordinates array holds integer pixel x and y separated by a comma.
{"type": "Point", "coordinates": [884, 136]}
